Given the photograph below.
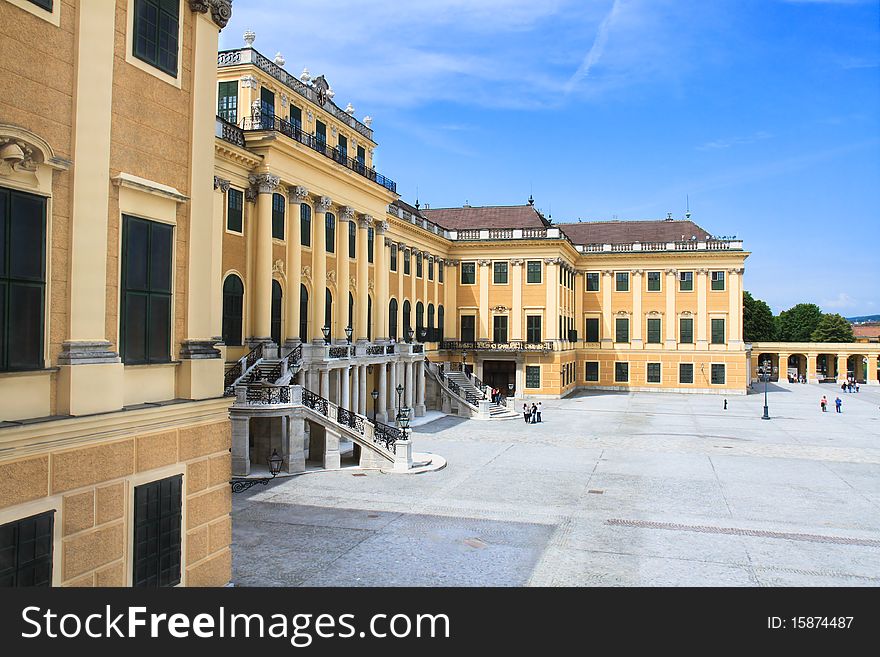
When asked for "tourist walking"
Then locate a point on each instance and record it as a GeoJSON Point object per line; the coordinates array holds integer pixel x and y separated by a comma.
{"type": "Point", "coordinates": [824, 404]}
{"type": "Point", "coordinates": [539, 411]}
{"type": "Point", "coordinates": [838, 403]}
{"type": "Point", "coordinates": [526, 413]}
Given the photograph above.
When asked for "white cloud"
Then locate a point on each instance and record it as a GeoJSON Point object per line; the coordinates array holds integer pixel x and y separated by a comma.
{"type": "Point", "coordinates": [734, 141]}
{"type": "Point", "coordinates": [597, 49]}
{"type": "Point", "coordinates": [842, 302]}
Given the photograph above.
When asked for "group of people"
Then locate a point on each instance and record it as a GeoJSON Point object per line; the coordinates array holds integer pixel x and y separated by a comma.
{"type": "Point", "coordinates": [497, 396]}
{"type": "Point", "coordinates": [532, 414]}
{"type": "Point", "coordinates": [823, 404]}
{"type": "Point", "coordinates": [797, 378]}
{"type": "Point", "coordinates": [850, 385]}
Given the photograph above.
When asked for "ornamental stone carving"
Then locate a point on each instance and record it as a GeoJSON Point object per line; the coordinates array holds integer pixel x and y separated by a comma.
{"type": "Point", "coordinates": [623, 313]}
{"type": "Point", "coordinates": [703, 271]}
{"type": "Point", "coordinates": [672, 271]}
{"type": "Point", "coordinates": [284, 100]}
{"type": "Point", "coordinates": [352, 283]}
{"type": "Point", "coordinates": [331, 277]}
{"type": "Point", "coordinates": [221, 183]}
{"type": "Point", "coordinates": [451, 263]}
{"type": "Point", "coordinates": [297, 194]}
{"type": "Point", "coordinates": [686, 313]}
{"type": "Point", "coordinates": [484, 263]}
{"type": "Point", "coordinates": [365, 221]}
{"type": "Point", "coordinates": [221, 10]}
{"type": "Point", "coordinates": [636, 272]}
{"type": "Point", "coordinates": [500, 309]}
{"type": "Point", "coordinates": [381, 227]}
{"type": "Point", "coordinates": [248, 82]}
{"type": "Point", "coordinates": [517, 262]}
{"type": "Point", "coordinates": [655, 313]}
{"type": "Point", "coordinates": [307, 272]}
{"type": "Point", "coordinates": [607, 272]}
{"type": "Point", "coordinates": [735, 270]}
{"type": "Point", "coordinates": [278, 267]}
{"type": "Point", "coordinates": [264, 183]}
{"type": "Point", "coordinates": [346, 213]}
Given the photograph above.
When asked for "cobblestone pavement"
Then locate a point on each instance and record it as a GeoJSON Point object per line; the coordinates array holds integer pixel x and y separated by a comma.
{"type": "Point", "coordinates": [640, 489]}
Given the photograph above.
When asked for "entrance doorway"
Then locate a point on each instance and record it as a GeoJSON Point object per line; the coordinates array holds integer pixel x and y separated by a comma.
{"type": "Point", "coordinates": [499, 374]}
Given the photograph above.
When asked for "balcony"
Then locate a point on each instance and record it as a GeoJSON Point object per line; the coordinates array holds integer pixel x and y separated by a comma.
{"type": "Point", "coordinates": [640, 247]}
{"type": "Point", "coordinates": [277, 124]}
{"type": "Point", "coordinates": [512, 346]}
{"type": "Point", "coordinates": [478, 234]}
{"type": "Point", "coordinates": [229, 132]}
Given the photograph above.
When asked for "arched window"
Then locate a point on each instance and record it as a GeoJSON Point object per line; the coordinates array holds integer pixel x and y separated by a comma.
{"type": "Point", "coordinates": [406, 327]}
{"type": "Point", "coordinates": [369, 318]}
{"type": "Point", "coordinates": [439, 323]}
{"type": "Point", "coordinates": [352, 239]}
{"type": "Point", "coordinates": [330, 231]}
{"type": "Point", "coordinates": [276, 312]}
{"type": "Point", "coordinates": [305, 224]}
{"type": "Point", "coordinates": [420, 320]}
{"type": "Point", "coordinates": [279, 202]}
{"type": "Point", "coordinates": [431, 337]}
{"type": "Point", "coordinates": [233, 302]}
{"type": "Point", "coordinates": [392, 319]}
{"type": "Point", "coordinates": [303, 314]}
{"type": "Point", "coordinates": [350, 310]}
{"type": "Point", "coordinates": [328, 309]}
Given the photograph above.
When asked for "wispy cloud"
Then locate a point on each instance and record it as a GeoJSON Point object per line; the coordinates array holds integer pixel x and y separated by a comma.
{"type": "Point", "coordinates": [734, 141]}
{"type": "Point", "coordinates": [597, 49]}
{"type": "Point", "coordinates": [842, 301]}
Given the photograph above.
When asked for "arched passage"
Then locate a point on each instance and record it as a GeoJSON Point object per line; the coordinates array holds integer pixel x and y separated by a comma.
{"type": "Point", "coordinates": [773, 359]}
{"type": "Point", "coordinates": [857, 368]}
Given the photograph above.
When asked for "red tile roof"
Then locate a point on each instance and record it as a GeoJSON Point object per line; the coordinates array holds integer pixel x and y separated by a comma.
{"type": "Point", "coordinates": [512, 216]}
{"type": "Point", "coordinates": [866, 330]}
{"type": "Point", "coordinates": [617, 232]}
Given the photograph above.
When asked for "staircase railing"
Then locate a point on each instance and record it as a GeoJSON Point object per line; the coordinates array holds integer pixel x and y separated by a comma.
{"type": "Point", "coordinates": [316, 402]}
{"type": "Point", "coordinates": [386, 435]}
{"type": "Point", "coordinates": [268, 394]}
{"type": "Point", "coordinates": [383, 435]}
{"type": "Point", "coordinates": [462, 393]}
{"type": "Point", "coordinates": [238, 370]}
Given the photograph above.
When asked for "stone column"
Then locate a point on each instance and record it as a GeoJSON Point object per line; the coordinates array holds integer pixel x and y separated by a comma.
{"type": "Point", "coordinates": [782, 364]}
{"type": "Point", "coordinates": [420, 388]}
{"type": "Point", "coordinates": [425, 256]}
{"type": "Point", "coordinates": [702, 316]}
{"type": "Point", "coordinates": [319, 268]}
{"type": "Point", "coordinates": [484, 315]}
{"type": "Point", "coordinates": [392, 392]}
{"type": "Point", "coordinates": [638, 319]}
{"type": "Point", "coordinates": [355, 388]}
{"type": "Point", "coordinates": [401, 292]}
{"type": "Point", "coordinates": [337, 385]}
{"type": "Point", "coordinates": [363, 393]}
{"type": "Point", "coordinates": [382, 408]}
{"type": "Point", "coordinates": [263, 185]}
{"type": "Point", "coordinates": [413, 296]}
{"type": "Point", "coordinates": [871, 374]}
{"type": "Point", "coordinates": [346, 388]}
{"type": "Point", "coordinates": [607, 309]}
{"type": "Point", "coordinates": [516, 313]}
{"type": "Point", "coordinates": [671, 318]}
{"type": "Point", "coordinates": [450, 296]}
{"type": "Point", "coordinates": [296, 458]}
{"type": "Point", "coordinates": [325, 382]}
{"type": "Point", "coordinates": [580, 286]}
{"type": "Point", "coordinates": [363, 282]}
{"type": "Point", "coordinates": [812, 367]}
{"type": "Point", "coordinates": [734, 330]}
{"type": "Point", "coordinates": [313, 379]}
{"type": "Point", "coordinates": [841, 367]}
{"type": "Point", "coordinates": [297, 197]}
{"type": "Point", "coordinates": [551, 312]}
{"type": "Point", "coordinates": [241, 446]}
{"type": "Point", "coordinates": [332, 459]}
{"type": "Point", "coordinates": [409, 387]}
{"type": "Point", "coordinates": [343, 269]}
{"type": "Point", "coordinates": [438, 301]}
{"type": "Point", "coordinates": [380, 276]}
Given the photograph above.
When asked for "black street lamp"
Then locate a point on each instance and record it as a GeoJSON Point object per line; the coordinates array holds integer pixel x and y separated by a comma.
{"type": "Point", "coordinates": [375, 396]}
{"type": "Point", "coordinates": [239, 485]}
{"type": "Point", "coordinates": [422, 333]}
{"type": "Point", "coordinates": [765, 371]}
{"type": "Point", "coordinates": [348, 334]}
{"type": "Point", "coordinates": [326, 331]}
{"type": "Point", "coordinates": [402, 413]}
{"type": "Point", "coordinates": [510, 389]}
{"type": "Point", "coordinates": [409, 335]}
{"type": "Point", "coordinates": [464, 362]}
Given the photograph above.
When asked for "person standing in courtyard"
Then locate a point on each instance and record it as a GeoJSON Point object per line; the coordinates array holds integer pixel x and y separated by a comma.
{"type": "Point", "coordinates": [533, 414]}
{"type": "Point", "coordinates": [526, 413]}
{"type": "Point", "coordinates": [838, 403]}
{"type": "Point", "coordinates": [539, 411]}
{"type": "Point", "coordinates": [823, 403]}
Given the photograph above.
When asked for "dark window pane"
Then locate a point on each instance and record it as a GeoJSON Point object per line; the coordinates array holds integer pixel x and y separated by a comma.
{"type": "Point", "coordinates": [160, 328]}
{"type": "Point", "coordinates": [717, 331]}
{"type": "Point", "coordinates": [468, 328]}
{"type": "Point", "coordinates": [621, 330]}
{"type": "Point", "coordinates": [371, 236]}
{"type": "Point", "coordinates": [653, 372]}
{"type": "Point", "coordinates": [26, 239]}
{"type": "Point", "coordinates": [137, 239]}
{"type": "Point", "coordinates": [591, 371]}
{"type": "Point", "coordinates": [329, 232]}
{"type": "Point", "coordinates": [160, 257]}
{"type": "Point", "coordinates": [45, 4]}
{"type": "Point", "coordinates": [622, 281]}
{"type": "Point", "coordinates": [25, 326]}
{"type": "Point", "coordinates": [533, 376]}
{"type": "Point", "coordinates": [653, 281]}
{"type": "Point", "coordinates": [686, 331]}
{"type": "Point", "coordinates": [593, 281]}
{"type": "Point", "coordinates": [686, 373]}
{"type": "Point", "coordinates": [717, 374]}
{"type": "Point", "coordinates": [4, 226]}
{"type": "Point", "coordinates": [278, 205]}
{"type": "Point", "coordinates": [468, 273]}
{"type": "Point", "coordinates": [26, 551]}
{"type": "Point", "coordinates": [134, 318]}
{"type": "Point", "coordinates": [157, 533]}
{"type": "Point", "coordinates": [533, 271]}
{"type": "Point", "coordinates": [621, 372]}
{"type": "Point", "coordinates": [654, 331]}
{"type": "Point", "coordinates": [592, 329]}
{"type": "Point", "coordinates": [305, 223]}
{"type": "Point", "coordinates": [234, 205]}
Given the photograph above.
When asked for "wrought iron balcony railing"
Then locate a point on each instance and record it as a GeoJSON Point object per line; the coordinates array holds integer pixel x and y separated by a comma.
{"type": "Point", "coordinates": [292, 130]}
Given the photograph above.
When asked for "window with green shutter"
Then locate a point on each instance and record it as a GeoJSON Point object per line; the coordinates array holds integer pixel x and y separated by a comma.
{"type": "Point", "coordinates": [278, 206]}
{"type": "Point", "coordinates": [371, 240]}
{"type": "Point", "coordinates": [499, 273]}
{"type": "Point", "coordinates": [654, 326]}
{"type": "Point", "coordinates": [621, 372]}
{"type": "Point", "coordinates": [686, 373]}
{"type": "Point", "coordinates": [621, 279]}
{"type": "Point", "coordinates": [717, 281]}
{"type": "Point", "coordinates": [592, 281]}
{"type": "Point", "coordinates": [227, 101]}
{"type": "Point", "coordinates": [653, 375]}
{"type": "Point", "coordinates": [717, 374]}
{"type": "Point", "coordinates": [440, 271]}
{"type": "Point", "coordinates": [686, 281]}
{"type": "Point", "coordinates": [468, 273]}
{"type": "Point", "coordinates": [533, 329]}
{"type": "Point", "coordinates": [621, 329]}
{"type": "Point", "coordinates": [499, 328]}
{"type": "Point", "coordinates": [419, 270]}
{"type": "Point", "coordinates": [717, 331]}
{"type": "Point", "coordinates": [156, 24]}
{"type": "Point", "coordinates": [592, 329]}
{"type": "Point", "coordinates": [305, 224]}
{"type": "Point", "coordinates": [591, 371]}
{"type": "Point", "coordinates": [157, 533]}
{"type": "Point", "coordinates": [234, 210]}
{"type": "Point", "coordinates": [653, 281]}
{"type": "Point", "coordinates": [352, 245]}
{"type": "Point", "coordinates": [468, 328]}
{"type": "Point", "coordinates": [26, 549]}
{"type": "Point", "coordinates": [407, 262]}
{"type": "Point", "coordinates": [533, 271]}
{"type": "Point", "coordinates": [686, 330]}
{"type": "Point", "coordinates": [330, 232]}
{"type": "Point", "coordinates": [533, 376]}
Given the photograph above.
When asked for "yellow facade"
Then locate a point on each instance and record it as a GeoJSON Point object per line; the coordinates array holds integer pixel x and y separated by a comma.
{"type": "Point", "coordinates": [97, 143]}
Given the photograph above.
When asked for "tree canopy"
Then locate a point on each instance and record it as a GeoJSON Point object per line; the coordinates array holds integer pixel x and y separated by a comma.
{"type": "Point", "coordinates": [758, 322]}
{"type": "Point", "coordinates": [798, 323]}
{"type": "Point", "coordinates": [832, 328]}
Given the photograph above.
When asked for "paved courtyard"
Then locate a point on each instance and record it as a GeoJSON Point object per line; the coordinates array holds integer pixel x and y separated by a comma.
{"type": "Point", "coordinates": [613, 489]}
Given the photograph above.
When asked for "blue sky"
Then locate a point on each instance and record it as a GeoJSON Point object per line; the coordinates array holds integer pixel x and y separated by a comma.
{"type": "Point", "coordinates": [766, 113]}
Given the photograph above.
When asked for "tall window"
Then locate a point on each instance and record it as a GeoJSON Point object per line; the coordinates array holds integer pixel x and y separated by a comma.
{"type": "Point", "coordinates": [686, 330]}
{"type": "Point", "coordinates": [621, 372]}
{"type": "Point", "coordinates": [592, 329]}
{"type": "Point", "coordinates": [440, 270]}
{"type": "Point", "coordinates": [267, 105]}
{"type": "Point", "coordinates": [407, 262]}
{"type": "Point", "coordinates": [157, 531]}
{"type": "Point", "coordinates": [499, 273]}
{"type": "Point", "coordinates": [686, 281]}
{"type": "Point", "coordinates": [468, 328]}
{"type": "Point", "coordinates": [499, 328]}
{"type": "Point", "coordinates": [653, 374]}
{"type": "Point", "coordinates": [296, 117]}
{"type": "Point", "coordinates": [343, 147]}
{"type": "Point", "coordinates": [621, 329]}
{"type": "Point", "coordinates": [533, 271]}
{"type": "Point", "coordinates": [227, 101]}
{"type": "Point", "coordinates": [718, 376]}
{"type": "Point", "coordinates": [22, 280]}
{"type": "Point", "coordinates": [468, 273]}
{"type": "Point", "coordinates": [440, 318]}
{"type": "Point", "coordinates": [431, 268]}
{"type": "Point", "coordinates": [328, 308]}
{"type": "Point", "coordinates": [592, 281]}
{"type": "Point", "coordinates": [717, 281]}
{"type": "Point", "coordinates": [653, 281]}
{"type": "Point", "coordinates": [369, 318]}
{"type": "Point", "coordinates": [406, 324]}
{"type": "Point", "coordinates": [278, 206]}
{"type": "Point", "coordinates": [419, 271]}
{"type": "Point", "coordinates": [275, 311]}
{"type": "Point", "coordinates": [392, 318]}
{"type": "Point", "coordinates": [371, 238]}
{"type": "Point", "coordinates": [533, 329]}
{"type": "Point", "coordinates": [533, 376]}
{"type": "Point", "coordinates": [145, 326]}
{"type": "Point", "coordinates": [621, 279]}
{"type": "Point", "coordinates": [591, 371]}
{"type": "Point", "coordinates": [393, 260]}
{"type": "Point", "coordinates": [420, 320]}
{"type": "Point", "coordinates": [350, 310]}
{"type": "Point", "coordinates": [303, 314]}
{"type": "Point", "coordinates": [155, 33]}
{"type": "Point", "coordinates": [654, 331]}
{"type": "Point", "coordinates": [352, 243]}
{"type": "Point", "coordinates": [717, 331]}
{"type": "Point", "coordinates": [431, 322]}
{"type": "Point", "coordinates": [234, 210]}
{"type": "Point", "coordinates": [233, 298]}
{"type": "Point", "coordinates": [686, 373]}
{"type": "Point", "coordinates": [321, 132]}
{"type": "Point", "coordinates": [329, 232]}
{"type": "Point", "coordinates": [305, 224]}
{"type": "Point", "coordinates": [361, 156]}
{"type": "Point", "coordinates": [26, 551]}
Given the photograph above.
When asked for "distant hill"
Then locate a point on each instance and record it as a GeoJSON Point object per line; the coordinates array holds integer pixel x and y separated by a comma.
{"type": "Point", "coordinates": [864, 318]}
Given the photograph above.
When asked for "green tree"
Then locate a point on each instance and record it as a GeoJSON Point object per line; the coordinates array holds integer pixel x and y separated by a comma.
{"type": "Point", "coordinates": [758, 322]}
{"type": "Point", "coordinates": [798, 323]}
{"type": "Point", "coordinates": [833, 328]}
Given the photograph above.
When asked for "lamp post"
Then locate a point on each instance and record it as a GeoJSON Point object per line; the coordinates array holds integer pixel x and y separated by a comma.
{"type": "Point", "coordinates": [765, 371]}
{"type": "Point", "coordinates": [275, 462]}
{"type": "Point", "coordinates": [326, 331]}
{"type": "Point", "coordinates": [423, 332]}
{"type": "Point", "coordinates": [375, 396]}
{"type": "Point", "coordinates": [348, 332]}
{"type": "Point", "coordinates": [402, 413]}
{"type": "Point", "coordinates": [409, 335]}
{"type": "Point", "coordinates": [464, 362]}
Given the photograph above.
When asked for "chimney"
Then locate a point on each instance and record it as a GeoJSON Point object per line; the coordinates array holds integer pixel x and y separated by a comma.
{"type": "Point", "coordinates": [668, 216]}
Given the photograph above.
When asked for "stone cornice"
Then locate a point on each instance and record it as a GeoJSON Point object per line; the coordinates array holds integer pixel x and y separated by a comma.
{"type": "Point", "coordinates": [221, 10]}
